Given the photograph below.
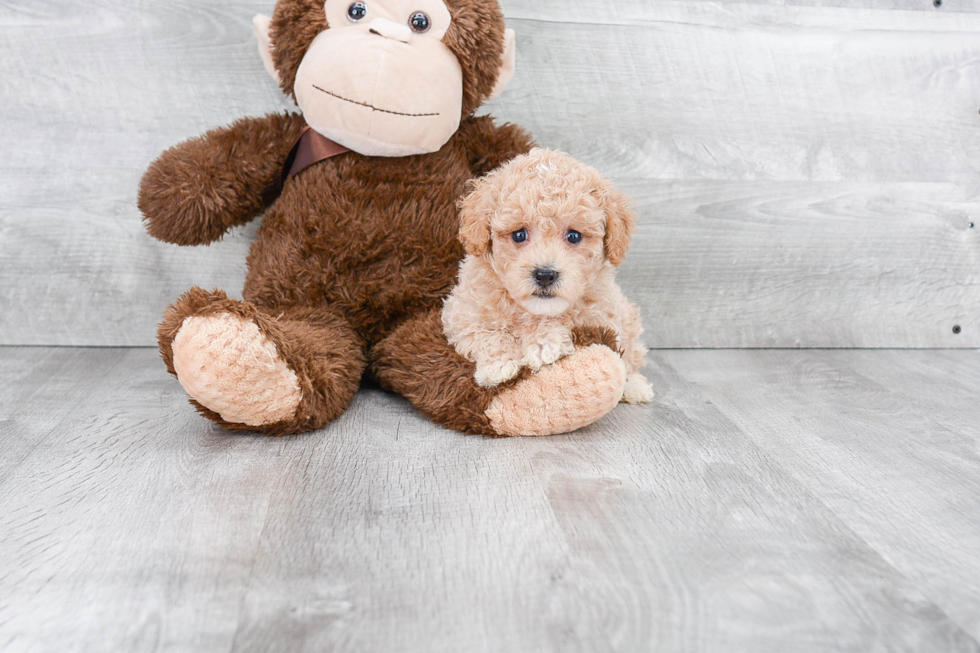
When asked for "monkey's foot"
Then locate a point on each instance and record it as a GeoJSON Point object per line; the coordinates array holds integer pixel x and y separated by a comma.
{"type": "Point", "coordinates": [227, 365]}
{"type": "Point", "coordinates": [572, 393]}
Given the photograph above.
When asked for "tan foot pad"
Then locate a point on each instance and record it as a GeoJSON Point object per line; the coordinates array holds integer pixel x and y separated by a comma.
{"type": "Point", "coordinates": [572, 393]}
{"type": "Point", "coordinates": [227, 365]}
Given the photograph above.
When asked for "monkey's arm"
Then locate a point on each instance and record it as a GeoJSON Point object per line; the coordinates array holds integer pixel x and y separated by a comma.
{"type": "Point", "coordinates": [490, 146]}
{"type": "Point", "coordinates": [199, 189]}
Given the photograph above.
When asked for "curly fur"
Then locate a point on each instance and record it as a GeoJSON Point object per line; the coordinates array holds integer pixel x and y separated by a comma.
{"type": "Point", "coordinates": [498, 316]}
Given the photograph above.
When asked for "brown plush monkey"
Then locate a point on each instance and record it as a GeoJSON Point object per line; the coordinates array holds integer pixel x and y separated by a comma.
{"type": "Point", "coordinates": [357, 251]}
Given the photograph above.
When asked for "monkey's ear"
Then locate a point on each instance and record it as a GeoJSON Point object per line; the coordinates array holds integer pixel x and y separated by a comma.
{"type": "Point", "coordinates": [474, 218]}
{"type": "Point", "coordinates": [264, 37]}
{"type": "Point", "coordinates": [507, 63]}
{"type": "Point", "coordinates": [620, 221]}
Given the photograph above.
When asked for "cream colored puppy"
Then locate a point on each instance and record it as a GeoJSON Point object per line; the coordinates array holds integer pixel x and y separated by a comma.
{"type": "Point", "coordinates": [543, 236]}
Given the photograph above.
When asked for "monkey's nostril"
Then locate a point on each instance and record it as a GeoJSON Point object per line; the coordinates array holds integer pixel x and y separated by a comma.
{"type": "Point", "coordinates": [545, 276]}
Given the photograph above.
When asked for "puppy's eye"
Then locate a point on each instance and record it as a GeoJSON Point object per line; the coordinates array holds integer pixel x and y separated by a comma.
{"type": "Point", "coordinates": [357, 11]}
{"type": "Point", "coordinates": [519, 236]}
{"type": "Point", "coordinates": [573, 237]}
{"type": "Point", "coordinates": [419, 22]}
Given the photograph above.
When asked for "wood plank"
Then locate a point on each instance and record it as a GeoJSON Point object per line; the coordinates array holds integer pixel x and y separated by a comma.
{"type": "Point", "coordinates": [766, 264]}
{"type": "Point", "coordinates": [91, 95]}
{"type": "Point", "coordinates": [34, 383]}
{"type": "Point", "coordinates": [682, 456]}
{"type": "Point", "coordinates": [125, 477]}
{"type": "Point", "coordinates": [667, 92]}
{"type": "Point", "coordinates": [135, 525]}
{"type": "Point", "coordinates": [714, 264]}
{"type": "Point", "coordinates": [585, 11]}
{"type": "Point", "coordinates": [888, 444]}
{"type": "Point", "coordinates": [755, 92]}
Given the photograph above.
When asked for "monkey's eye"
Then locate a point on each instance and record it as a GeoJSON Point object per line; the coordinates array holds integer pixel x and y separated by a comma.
{"type": "Point", "coordinates": [357, 11]}
{"type": "Point", "coordinates": [419, 22]}
{"type": "Point", "coordinates": [519, 236]}
{"type": "Point", "coordinates": [573, 237]}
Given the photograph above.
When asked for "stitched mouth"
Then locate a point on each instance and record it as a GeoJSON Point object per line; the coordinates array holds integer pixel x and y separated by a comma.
{"type": "Point", "coordinates": [374, 108]}
{"type": "Point", "coordinates": [543, 294]}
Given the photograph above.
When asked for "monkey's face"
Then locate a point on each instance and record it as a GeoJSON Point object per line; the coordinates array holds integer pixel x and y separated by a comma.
{"type": "Point", "coordinates": [380, 80]}
{"type": "Point", "coordinates": [382, 77]}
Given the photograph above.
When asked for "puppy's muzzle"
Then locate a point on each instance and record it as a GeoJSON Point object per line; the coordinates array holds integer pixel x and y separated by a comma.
{"type": "Point", "coordinates": [545, 277]}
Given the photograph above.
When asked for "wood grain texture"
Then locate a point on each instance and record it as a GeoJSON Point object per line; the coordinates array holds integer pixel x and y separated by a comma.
{"type": "Point", "coordinates": [888, 442]}
{"type": "Point", "coordinates": [678, 90]}
{"type": "Point", "coordinates": [805, 264]}
{"type": "Point", "coordinates": [129, 523]}
{"type": "Point", "coordinates": [585, 10]}
{"type": "Point", "coordinates": [799, 102]}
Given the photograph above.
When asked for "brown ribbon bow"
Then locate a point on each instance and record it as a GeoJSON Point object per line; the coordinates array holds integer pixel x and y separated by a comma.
{"type": "Point", "coordinates": [310, 148]}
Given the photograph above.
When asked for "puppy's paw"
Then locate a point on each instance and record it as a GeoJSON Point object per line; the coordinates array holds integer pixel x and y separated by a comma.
{"type": "Point", "coordinates": [566, 347]}
{"type": "Point", "coordinates": [534, 357]}
{"type": "Point", "coordinates": [546, 353]}
{"type": "Point", "coordinates": [638, 390]}
{"type": "Point", "coordinates": [554, 351]}
{"type": "Point", "coordinates": [491, 374]}
{"type": "Point", "coordinates": [550, 352]}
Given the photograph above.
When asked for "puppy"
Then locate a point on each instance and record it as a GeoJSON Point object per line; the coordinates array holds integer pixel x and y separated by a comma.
{"type": "Point", "coordinates": [543, 235]}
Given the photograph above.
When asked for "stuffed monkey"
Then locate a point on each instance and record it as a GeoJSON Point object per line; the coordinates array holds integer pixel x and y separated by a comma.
{"type": "Point", "coordinates": [359, 242]}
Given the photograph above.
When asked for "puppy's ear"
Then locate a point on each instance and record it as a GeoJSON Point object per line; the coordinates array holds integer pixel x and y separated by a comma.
{"type": "Point", "coordinates": [474, 217]}
{"type": "Point", "coordinates": [620, 220]}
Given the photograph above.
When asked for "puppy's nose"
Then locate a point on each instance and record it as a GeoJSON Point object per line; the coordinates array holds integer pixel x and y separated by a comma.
{"type": "Point", "coordinates": [545, 277]}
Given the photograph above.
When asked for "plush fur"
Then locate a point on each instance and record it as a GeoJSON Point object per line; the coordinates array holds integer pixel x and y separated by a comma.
{"type": "Point", "coordinates": [251, 366]}
{"type": "Point", "coordinates": [198, 190]}
{"type": "Point", "coordinates": [317, 345]}
{"type": "Point", "coordinates": [499, 315]}
{"type": "Point", "coordinates": [351, 264]}
{"type": "Point", "coordinates": [594, 379]}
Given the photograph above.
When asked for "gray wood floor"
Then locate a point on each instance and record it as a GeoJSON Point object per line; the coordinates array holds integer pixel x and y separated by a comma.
{"type": "Point", "coordinates": [766, 501]}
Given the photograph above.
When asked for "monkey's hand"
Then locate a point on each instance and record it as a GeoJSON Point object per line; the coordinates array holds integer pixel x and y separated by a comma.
{"type": "Point", "coordinates": [198, 190]}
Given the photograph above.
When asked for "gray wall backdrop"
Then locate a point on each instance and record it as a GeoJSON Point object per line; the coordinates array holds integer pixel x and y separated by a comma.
{"type": "Point", "coordinates": [806, 176]}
